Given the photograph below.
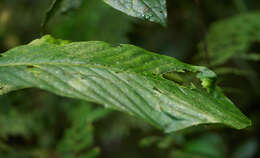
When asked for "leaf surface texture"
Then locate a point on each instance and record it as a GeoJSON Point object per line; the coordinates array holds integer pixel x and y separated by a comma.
{"type": "Point", "coordinates": [124, 77]}
{"type": "Point", "coordinates": [152, 10]}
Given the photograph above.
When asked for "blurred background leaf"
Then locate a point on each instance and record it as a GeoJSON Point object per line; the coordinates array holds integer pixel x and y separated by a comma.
{"type": "Point", "coordinates": [94, 20]}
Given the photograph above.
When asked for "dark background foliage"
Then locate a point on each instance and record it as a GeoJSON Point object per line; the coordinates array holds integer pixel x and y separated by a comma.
{"type": "Point", "coordinates": [35, 123]}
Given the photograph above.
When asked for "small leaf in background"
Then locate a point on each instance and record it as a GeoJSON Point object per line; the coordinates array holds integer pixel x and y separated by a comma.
{"type": "Point", "coordinates": [230, 50]}
{"type": "Point", "coordinates": [148, 141]}
{"type": "Point", "coordinates": [225, 41]}
{"type": "Point", "coordinates": [78, 140]}
{"type": "Point", "coordinates": [62, 6]}
{"type": "Point", "coordinates": [151, 10]}
{"type": "Point", "coordinates": [209, 145]}
{"type": "Point", "coordinates": [125, 78]}
{"type": "Point", "coordinates": [205, 146]}
{"type": "Point", "coordinates": [248, 149]}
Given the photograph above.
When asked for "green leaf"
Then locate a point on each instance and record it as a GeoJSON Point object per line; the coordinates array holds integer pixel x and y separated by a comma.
{"type": "Point", "coordinates": [251, 56]}
{"type": "Point", "coordinates": [61, 6]}
{"type": "Point", "coordinates": [124, 77]}
{"type": "Point", "coordinates": [232, 70]}
{"type": "Point", "coordinates": [78, 140]}
{"type": "Point", "coordinates": [208, 145]}
{"type": "Point", "coordinates": [247, 149]}
{"type": "Point", "coordinates": [152, 10]}
{"type": "Point", "coordinates": [225, 42]}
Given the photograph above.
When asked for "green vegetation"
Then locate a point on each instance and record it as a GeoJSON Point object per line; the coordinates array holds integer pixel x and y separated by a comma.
{"type": "Point", "coordinates": [62, 60]}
